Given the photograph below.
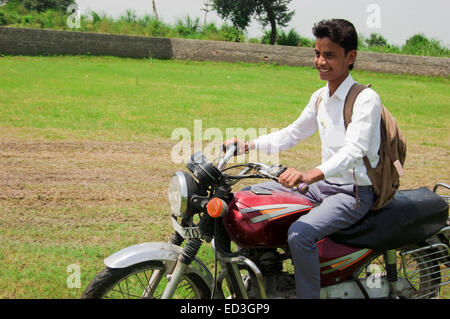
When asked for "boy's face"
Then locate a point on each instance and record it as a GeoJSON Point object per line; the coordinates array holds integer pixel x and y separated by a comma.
{"type": "Point", "coordinates": [331, 61]}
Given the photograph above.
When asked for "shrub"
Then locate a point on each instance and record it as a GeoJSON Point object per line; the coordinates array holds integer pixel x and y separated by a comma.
{"type": "Point", "coordinates": [27, 19]}
{"type": "Point", "coordinates": [188, 27]}
{"type": "Point", "coordinates": [291, 38]}
{"type": "Point", "coordinates": [210, 27]}
{"type": "Point", "coordinates": [157, 28]}
{"type": "Point", "coordinates": [230, 33]}
{"type": "Point", "coordinates": [305, 42]}
{"type": "Point", "coordinates": [95, 17]}
{"type": "Point", "coordinates": [265, 39]}
{"type": "Point", "coordinates": [2, 18]}
{"type": "Point", "coordinates": [376, 40]}
{"type": "Point", "coordinates": [51, 19]}
{"type": "Point", "coordinates": [129, 17]}
{"type": "Point", "coordinates": [419, 44]}
{"type": "Point", "coordinates": [8, 17]}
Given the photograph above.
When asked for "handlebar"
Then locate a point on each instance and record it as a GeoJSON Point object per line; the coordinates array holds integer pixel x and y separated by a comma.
{"type": "Point", "coordinates": [302, 188]}
{"type": "Point", "coordinates": [264, 171]}
{"type": "Point", "coordinates": [230, 152]}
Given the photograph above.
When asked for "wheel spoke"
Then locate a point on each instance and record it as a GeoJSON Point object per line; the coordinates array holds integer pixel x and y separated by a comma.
{"type": "Point", "coordinates": [149, 282]}
{"type": "Point", "coordinates": [415, 268]}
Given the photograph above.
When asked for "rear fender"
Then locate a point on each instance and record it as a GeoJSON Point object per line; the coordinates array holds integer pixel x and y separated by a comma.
{"type": "Point", "coordinates": [159, 251]}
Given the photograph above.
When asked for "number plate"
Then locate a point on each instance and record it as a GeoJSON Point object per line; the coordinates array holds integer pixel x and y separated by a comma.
{"type": "Point", "coordinates": [186, 232]}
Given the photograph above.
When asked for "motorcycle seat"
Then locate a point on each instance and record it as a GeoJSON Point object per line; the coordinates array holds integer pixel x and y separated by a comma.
{"type": "Point", "coordinates": [411, 217]}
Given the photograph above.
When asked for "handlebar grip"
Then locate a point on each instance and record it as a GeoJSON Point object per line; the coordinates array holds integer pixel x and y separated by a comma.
{"type": "Point", "coordinates": [225, 148]}
{"type": "Point", "coordinates": [302, 188]}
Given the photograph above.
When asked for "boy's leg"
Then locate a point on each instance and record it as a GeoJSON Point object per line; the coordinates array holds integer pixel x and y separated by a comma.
{"type": "Point", "coordinates": [337, 211]}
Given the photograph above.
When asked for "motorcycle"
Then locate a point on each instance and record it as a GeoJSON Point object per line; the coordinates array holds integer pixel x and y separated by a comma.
{"type": "Point", "coordinates": [400, 251]}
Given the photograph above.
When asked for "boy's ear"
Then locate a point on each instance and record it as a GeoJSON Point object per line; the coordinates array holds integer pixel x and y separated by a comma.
{"type": "Point", "coordinates": [351, 56]}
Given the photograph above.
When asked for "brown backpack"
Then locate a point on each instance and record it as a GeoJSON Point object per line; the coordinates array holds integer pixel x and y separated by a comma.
{"type": "Point", "coordinates": [385, 177]}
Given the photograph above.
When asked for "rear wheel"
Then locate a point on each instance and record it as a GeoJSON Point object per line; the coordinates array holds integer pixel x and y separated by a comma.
{"type": "Point", "coordinates": [416, 267]}
{"type": "Point", "coordinates": [144, 280]}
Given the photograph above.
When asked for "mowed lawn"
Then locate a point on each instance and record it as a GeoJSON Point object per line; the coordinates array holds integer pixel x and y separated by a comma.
{"type": "Point", "coordinates": [85, 149]}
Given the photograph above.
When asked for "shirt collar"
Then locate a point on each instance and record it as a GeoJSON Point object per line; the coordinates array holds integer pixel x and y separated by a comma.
{"type": "Point", "coordinates": [343, 89]}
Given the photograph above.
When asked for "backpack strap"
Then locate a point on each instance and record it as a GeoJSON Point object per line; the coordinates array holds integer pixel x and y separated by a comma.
{"type": "Point", "coordinates": [350, 101]}
{"type": "Point", "coordinates": [348, 112]}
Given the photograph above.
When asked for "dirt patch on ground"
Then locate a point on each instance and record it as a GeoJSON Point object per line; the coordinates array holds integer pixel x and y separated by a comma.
{"type": "Point", "coordinates": [37, 172]}
{"type": "Point", "coordinates": [57, 189]}
{"type": "Point", "coordinates": [60, 186]}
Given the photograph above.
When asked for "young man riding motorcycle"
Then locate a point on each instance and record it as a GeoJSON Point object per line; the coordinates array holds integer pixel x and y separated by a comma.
{"type": "Point", "coordinates": [333, 183]}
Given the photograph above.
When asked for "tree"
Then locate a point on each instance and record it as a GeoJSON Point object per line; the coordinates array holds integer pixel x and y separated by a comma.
{"type": "Point", "coordinates": [42, 5]}
{"type": "Point", "coordinates": [207, 4]}
{"type": "Point", "coordinates": [155, 13]}
{"type": "Point", "coordinates": [267, 12]}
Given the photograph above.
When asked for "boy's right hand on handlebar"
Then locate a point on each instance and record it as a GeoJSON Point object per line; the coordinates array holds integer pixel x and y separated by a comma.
{"type": "Point", "coordinates": [240, 146]}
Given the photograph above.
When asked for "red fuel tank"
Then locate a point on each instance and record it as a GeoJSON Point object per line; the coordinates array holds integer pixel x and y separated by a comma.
{"type": "Point", "coordinates": [263, 220]}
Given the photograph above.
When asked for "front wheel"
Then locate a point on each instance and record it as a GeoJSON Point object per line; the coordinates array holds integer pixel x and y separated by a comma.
{"type": "Point", "coordinates": [143, 280]}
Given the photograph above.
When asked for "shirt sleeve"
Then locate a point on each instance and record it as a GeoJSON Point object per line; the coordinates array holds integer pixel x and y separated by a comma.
{"type": "Point", "coordinates": [361, 136]}
{"type": "Point", "coordinates": [303, 127]}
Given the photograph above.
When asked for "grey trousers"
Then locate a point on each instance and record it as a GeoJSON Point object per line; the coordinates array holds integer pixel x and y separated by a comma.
{"type": "Point", "coordinates": [336, 211]}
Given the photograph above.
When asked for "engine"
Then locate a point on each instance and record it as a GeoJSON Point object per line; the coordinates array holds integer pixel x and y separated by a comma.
{"type": "Point", "coordinates": [277, 283]}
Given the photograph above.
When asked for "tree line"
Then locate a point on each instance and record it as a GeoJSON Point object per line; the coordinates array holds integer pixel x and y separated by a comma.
{"type": "Point", "coordinates": [274, 15]}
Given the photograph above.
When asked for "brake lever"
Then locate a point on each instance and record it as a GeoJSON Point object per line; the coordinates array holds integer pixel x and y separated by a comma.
{"type": "Point", "coordinates": [272, 171]}
{"type": "Point", "coordinates": [302, 188]}
{"type": "Point", "coordinates": [265, 171]}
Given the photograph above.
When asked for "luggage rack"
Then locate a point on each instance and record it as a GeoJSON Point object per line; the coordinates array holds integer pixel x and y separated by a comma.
{"type": "Point", "coordinates": [430, 270]}
{"type": "Point", "coordinates": [445, 197]}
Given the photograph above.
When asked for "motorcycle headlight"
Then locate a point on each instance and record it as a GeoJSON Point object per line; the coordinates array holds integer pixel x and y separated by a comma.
{"type": "Point", "coordinates": [203, 170]}
{"type": "Point", "coordinates": [181, 187]}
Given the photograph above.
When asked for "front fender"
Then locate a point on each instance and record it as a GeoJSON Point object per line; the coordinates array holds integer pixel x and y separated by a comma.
{"type": "Point", "coordinates": [164, 252]}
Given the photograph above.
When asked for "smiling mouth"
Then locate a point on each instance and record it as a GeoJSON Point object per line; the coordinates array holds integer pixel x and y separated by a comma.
{"type": "Point", "coordinates": [324, 70]}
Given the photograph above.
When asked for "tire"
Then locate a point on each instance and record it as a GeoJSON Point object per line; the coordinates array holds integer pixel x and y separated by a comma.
{"type": "Point", "coordinates": [421, 271]}
{"type": "Point", "coordinates": [131, 283]}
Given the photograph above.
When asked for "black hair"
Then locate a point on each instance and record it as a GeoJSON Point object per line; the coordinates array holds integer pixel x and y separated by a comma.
{"type": "Point", "coordinates": [339, 31]}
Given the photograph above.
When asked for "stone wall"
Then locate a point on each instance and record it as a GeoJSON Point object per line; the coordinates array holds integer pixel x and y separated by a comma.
{"type": "Point", "coordinates": [21, 41]}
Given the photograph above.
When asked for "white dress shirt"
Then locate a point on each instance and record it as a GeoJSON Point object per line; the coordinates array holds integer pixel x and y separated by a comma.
{"type": "Point", "coordinates": [342, 150]}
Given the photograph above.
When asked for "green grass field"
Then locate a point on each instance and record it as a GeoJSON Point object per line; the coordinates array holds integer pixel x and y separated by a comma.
{"type": "Point", "coordinates": [85, 149]}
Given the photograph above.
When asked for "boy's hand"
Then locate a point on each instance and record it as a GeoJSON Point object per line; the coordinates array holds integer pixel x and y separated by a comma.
{"type": "Point", "coordinates": [291, 177]}
{"type": "Point", "coordinates": [242, 146]}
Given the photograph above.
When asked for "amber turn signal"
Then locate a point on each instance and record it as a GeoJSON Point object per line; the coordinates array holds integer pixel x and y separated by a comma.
{"type": "Point", "coordinates": [216, 207]}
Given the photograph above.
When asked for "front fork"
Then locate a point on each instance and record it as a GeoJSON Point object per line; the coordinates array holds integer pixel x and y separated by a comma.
{"type": "Point", "coordinates": [184, 260]}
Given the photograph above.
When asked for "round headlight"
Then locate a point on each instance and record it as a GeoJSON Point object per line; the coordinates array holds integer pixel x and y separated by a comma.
{"type": "Point", "coordinates": [181, 187]}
